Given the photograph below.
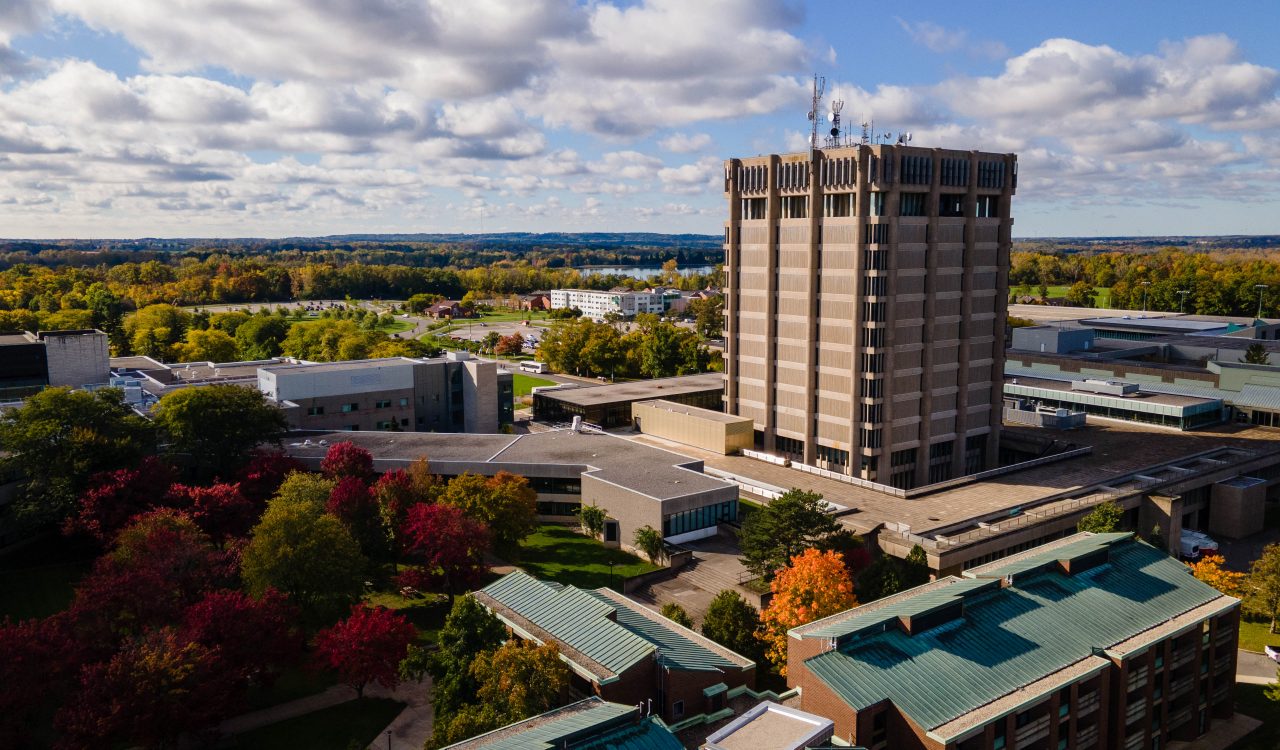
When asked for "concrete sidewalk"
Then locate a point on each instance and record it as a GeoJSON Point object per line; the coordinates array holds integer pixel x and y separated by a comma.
{"type": "Point", "coordinates": [334, 696]}
{"type": "Point", "coordinates": [411, 729]}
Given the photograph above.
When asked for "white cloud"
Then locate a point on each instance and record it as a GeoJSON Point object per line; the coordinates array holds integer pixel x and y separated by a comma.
{"type": "Point", "coordinates": [685, 143]}
{"type": "Point", "coordinates": [942, 40]}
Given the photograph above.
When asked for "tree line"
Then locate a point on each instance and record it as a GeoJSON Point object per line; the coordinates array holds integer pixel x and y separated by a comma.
{"type": "Point", "coordinates": [1216, 283]}
{"type": "Point", "coordinates": [653, 348]}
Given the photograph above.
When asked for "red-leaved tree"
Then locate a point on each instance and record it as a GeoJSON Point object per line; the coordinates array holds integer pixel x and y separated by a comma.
{"type": "Point", "coordinates": [115, 497]}
{"type": "Point", "coordinates": [155, 689]}
{"type": "Point", "coordinates": [262, 476]}
{"type": "Point", "coordinates": [352, 503]}
{"type": "Point", "coordinates": [221, 510]}
{"type": "Point", "coordinates": [254, 637]}
{"type": "Point", "coordinates": [160, 564]}
{"type": "Point", "coordinates": [447, 546]}
{"type": "Point", "coordinates": [28, 657]}
{"type": "Point", "coordinates": [366, 647]}
{"type": "Point", "coordinates": [346, 459]}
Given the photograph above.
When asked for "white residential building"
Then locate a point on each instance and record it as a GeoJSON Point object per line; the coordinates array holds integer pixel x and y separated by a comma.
{"type": "Point", "coordinates": [596, 305]}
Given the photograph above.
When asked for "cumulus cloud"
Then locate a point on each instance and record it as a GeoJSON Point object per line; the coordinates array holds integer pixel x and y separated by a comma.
{"type": "Point", "coordinates": [433, 114]}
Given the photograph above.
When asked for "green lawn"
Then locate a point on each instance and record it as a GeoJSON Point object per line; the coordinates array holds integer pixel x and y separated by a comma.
{"type": "Point", "coordinates": [1254, 635]}
{"type": "Point", "coordinates": [1252, 700]}
{"type": "Point", "coordinates": [292, 684]}
{"type": "Point", "coordinates": [427, 612]}
{"type": "Point", "coordinates": [1103, 299]}
{"type": "Point", "coordinates": [524, 384]}
{"type": "Point", "coordinates": [354, 724]}
{"type": "Point", "coordinates": [39, 591]}
{"type": "Point", "coordinates": [559, 553]}
{"type": "Point", "coordinates": [396, 326]}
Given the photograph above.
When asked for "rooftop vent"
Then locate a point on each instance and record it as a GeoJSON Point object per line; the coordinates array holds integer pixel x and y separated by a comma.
{"type": "Point", "coordinates": [1108, 387]}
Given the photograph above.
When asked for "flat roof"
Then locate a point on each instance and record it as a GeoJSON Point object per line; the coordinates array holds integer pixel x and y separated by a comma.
{"type": "Point", "coordinates": [648, 470]}
{"type": "Point", "coordinates": [1160, 324]}
{"type": "Point", "coordinates": [640, 390]}
{"type": "Point", "coordinates": [14, 339]}
{"type": "Point", "coordinates": [1119, 449]}
{"type": "Point", "coordinates": [710, 415]}
{"type": "Point", "coordinates": [770, 726]}
{"type": "Point", "coordinates": [995, 641]}
{"type": "Point", "coordinates": [342, 366]}
{"type": "Point", "coordinates": [1142, 396]}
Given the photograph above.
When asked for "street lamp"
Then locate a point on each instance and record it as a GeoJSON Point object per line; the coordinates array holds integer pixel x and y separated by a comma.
{"type": "Point", "coordinates": [1183, 302]}
{"type": "Point", "coordinates": [611, 575]}
{"type": "Point", "coordinates": [1261, 288]}
{"type": "Point", "coordinates": [388, 739]}
{"type": "Point", "coordinates": [1146, 286]}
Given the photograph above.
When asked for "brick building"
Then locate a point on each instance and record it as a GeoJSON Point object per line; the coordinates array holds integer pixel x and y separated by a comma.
{"type": "Point", "coordinates": [1094, 641]}
{"type": "Point", "coordinates": [619, 650]}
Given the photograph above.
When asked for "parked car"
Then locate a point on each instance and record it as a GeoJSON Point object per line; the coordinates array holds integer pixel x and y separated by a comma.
{"type": "Point", "coordinates": [1196, 543]}
{"type": "Point", "coordinates": [1273, 652]}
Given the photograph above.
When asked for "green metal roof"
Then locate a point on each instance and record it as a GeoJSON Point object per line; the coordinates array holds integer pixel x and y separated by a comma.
{"type": "Point", "coordinates": [1258, 397]}
{"type": "Point", "coordinates": [1073, 548]}
{"type": "Point", "coordinates": [613, 633]}
{"type": "Point", "coordinates": [587, 724]}
{"type": "Point", "coordinates": [880, 615]}
{"type": "Point", "coordinates": [576, 617]}
{"type": "Point", "coordinates": [1009, 637]}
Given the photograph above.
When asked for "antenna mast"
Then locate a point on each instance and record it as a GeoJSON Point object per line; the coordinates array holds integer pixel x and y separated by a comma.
{"type": "Point", "coordinates": [819, 85]}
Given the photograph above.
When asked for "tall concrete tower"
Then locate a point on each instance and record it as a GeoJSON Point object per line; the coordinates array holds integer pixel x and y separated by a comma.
{"type": "Point", "coordinates": [866, 292]}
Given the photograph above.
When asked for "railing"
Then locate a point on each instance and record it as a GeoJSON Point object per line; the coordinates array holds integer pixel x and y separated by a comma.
{"type": "Point", "coordinates": [1181, 687]}
{"type": "Point", "coordinates": [1088, 704]}
{"type": "Point", "coordinates": [1222, 663]}
{"type": "Point", "coordinates": [1134, 741]}
{"type": "Point", "coordinates": [1065, 504]}
{"type": "Point", "coordinates": [1087, 737]}
{"type": "Point", "coordinates": [1180, 717]}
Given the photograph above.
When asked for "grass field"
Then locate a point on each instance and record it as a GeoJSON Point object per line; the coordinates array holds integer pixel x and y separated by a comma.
{"type": "Point", "coordinates": [561, 554]}
{"type": "Point", "coordinates": [354, 724]}
{"type": "Point", "coordinates": [427, 613]}
{"type": "Point", "coordinates": [1254, 635]}
{"type": "Point", "coordinates": [1103, 300]}
{"type": "Point", "coordinates": [524, 384]}
{"type": "Point", "coordinates": [1252, 700]}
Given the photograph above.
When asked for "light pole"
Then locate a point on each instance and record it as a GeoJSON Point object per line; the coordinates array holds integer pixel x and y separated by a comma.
{"type": "Point", "coordinates": [1261, 288]}
{"type": "Point", "coordinates": [1183, 302]}
{"type": "Point", "coordinates": [388, 739]}
{"type": "Point", "coordinates": [1146, 286]}
{"type": "Point", "coordinates": [611, 574]}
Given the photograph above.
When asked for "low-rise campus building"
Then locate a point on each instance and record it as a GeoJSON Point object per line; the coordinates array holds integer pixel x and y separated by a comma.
{"type": "Point", "coordinates": [31, 361]}
{"type": "Point", "coordinates": [637, 485]}
{"type": "Point", "coordinates": [588, 724]}
{"type": "Point", "coordinates": [1095, 641]}
{"type": "Point", "coordinates": [620, 650]}
{"type": "Point", "coordinates": [609, 406]}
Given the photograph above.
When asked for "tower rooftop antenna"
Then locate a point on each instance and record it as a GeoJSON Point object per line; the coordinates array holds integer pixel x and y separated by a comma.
{"type": "Point", "coordinates": [819, 85]}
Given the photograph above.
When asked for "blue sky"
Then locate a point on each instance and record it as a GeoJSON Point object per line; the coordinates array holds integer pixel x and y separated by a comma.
{"type": "Point", "coordinates": [291, 117]}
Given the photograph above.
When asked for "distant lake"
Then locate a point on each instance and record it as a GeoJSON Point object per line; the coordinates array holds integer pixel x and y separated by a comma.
{"type": "Point", "coordinates": [639, 272]}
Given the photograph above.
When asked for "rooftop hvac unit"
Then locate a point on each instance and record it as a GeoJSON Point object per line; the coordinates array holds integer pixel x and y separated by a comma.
{"type": "Point", "coordinates": [1107, 387]}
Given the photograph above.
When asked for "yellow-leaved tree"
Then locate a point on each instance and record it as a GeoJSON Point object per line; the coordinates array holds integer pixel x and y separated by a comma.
{"type": "Point", "coordinates": [815, 585]}
{"type": "Point", "coordinates": [1210, 570]}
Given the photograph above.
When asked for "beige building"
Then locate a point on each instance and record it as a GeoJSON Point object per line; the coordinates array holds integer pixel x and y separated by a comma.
{"type": "Point", "coordinates": [709, 430]}
{"type": "Point", "coordinates": [865, 299]}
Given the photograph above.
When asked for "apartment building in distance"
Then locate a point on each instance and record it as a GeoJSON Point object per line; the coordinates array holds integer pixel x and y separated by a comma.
{"type": "Point", "coordinates": [1095, 641]}
{"type": "Point", "coordinates": [865, 302]}
{"type": "Point", "coordinates": [596, 305]}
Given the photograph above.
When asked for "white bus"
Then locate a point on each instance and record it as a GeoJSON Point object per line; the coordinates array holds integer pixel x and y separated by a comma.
{"type": "Point", "coordinates": [533, 366]}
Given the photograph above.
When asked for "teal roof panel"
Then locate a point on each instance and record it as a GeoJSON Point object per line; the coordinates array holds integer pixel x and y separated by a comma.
{"type": "Point", "coordinates": [1009, 637]}
{"type": "Point", "coordinates": [675, 648]}
{"type": "Point", "coordinates": [880, 615]}
{"type": "Point", "coordinates": [578, 618]}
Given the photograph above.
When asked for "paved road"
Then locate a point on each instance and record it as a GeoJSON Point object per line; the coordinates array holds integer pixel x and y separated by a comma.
{"type": "Point", "coordinates": [1254, 668]}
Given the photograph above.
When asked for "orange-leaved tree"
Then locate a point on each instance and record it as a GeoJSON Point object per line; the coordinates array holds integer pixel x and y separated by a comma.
{"type": "Point", "coordinates": [1210, 570]}
{"type": "Point", "coordinates": [815, 585]}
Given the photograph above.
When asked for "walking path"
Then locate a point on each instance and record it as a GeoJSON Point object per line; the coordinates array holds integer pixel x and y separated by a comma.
{"type": "Point", "coordinates": [409, 730]}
